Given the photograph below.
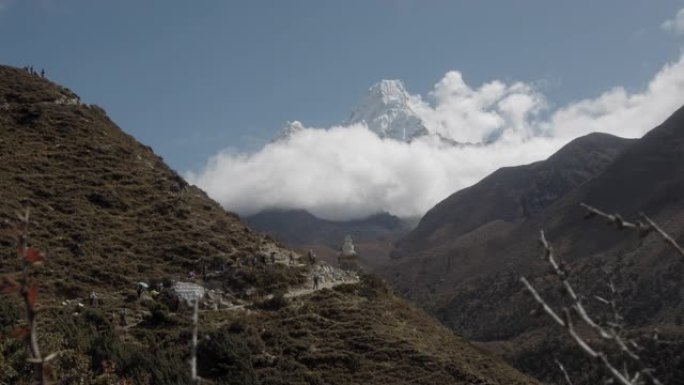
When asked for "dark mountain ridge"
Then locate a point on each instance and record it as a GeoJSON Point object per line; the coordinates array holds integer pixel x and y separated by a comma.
{"type": "Point", "coordinates": [512, 194]}
{"type": "Point", "coordinates": [301, 227]}
{"type": "Point", "coordinates": [480, 295]}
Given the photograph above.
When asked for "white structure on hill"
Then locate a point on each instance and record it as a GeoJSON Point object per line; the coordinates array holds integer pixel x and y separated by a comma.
{"type": "Point", "coordinates": [347, 258]}
{"type": "Point", "coordinates": [188, 292]}
{"type": "Point", "coordinates": [348, 247]}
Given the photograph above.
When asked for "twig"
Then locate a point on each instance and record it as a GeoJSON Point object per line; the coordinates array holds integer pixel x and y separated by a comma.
{"type": "Point", "coordinates": [565, 372]}
{"type": "Point", "coordinates": [643, 227]}
{"type": "Point", "coordinates": [579, 309]}
{"type": "Point", "coordinates": [666, 237]}
{"type": "Point", "coordinates": [567, 324]}
{"type": "Point", "coordinates": [577, 302]}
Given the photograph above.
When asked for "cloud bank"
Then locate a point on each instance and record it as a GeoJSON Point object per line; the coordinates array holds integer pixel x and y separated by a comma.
{"type": "Point", "coordinates": [346, 172]}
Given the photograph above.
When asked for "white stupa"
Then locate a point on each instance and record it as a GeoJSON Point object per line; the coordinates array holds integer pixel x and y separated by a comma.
{"type": "Point", "coordinates": [347, 258]}
{"type": "Point", "coordinates": [348, 247]}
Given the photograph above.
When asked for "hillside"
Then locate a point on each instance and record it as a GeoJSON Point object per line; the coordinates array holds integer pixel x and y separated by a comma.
{"type": "Point", "coordinates": [99, 197]}
{"type": "Point", "coordinates": [511, 194]}
{"type": "Point", "coordinates": [488, 250]}
{"type": "Point", "coordinates": [109, 213]}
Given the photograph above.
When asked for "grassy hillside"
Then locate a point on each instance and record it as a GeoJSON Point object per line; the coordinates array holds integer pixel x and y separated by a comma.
{"type": "Point", "coordinates": [108, 213]}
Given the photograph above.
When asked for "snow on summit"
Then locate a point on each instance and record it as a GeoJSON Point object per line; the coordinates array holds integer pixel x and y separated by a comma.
{"type": "Point", "coordinates": [387, 110]}
{"type": "Point", "coordinates": [401, 153]}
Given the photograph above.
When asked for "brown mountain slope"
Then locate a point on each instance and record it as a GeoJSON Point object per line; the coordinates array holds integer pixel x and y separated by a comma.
{"type": "Point", "coordinates": [456, 239]}
{"type": "Point", "coordinates": [512, 194]}
{"type": "Point", "coordinates": [110, 213]}
{"type": "Point", "coordinates": [105, 206]}
{"type": "Point", "coordinates": [483, 299]}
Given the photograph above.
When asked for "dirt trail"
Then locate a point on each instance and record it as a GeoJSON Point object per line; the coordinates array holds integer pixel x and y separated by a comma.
{"type": "Point", "coordinates": [296, 292]}
{"type": "Point", "coordinates": [329, 277]}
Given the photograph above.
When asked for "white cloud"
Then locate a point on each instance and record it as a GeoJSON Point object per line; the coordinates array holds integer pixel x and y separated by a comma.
{"type": "Point", "coordinates": [676, 25]}
{"type": "Point", "coordinates": [620, 113]}
{"type": "Point", "coordinates": [349, 172]}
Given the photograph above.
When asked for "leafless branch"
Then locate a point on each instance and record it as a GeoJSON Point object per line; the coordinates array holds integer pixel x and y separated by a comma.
{"type": "Point", "coordinates": [565, 320]}
{"type": "Point", "coordinates": [666, 237]}
{"type": "Point", "coordinates": [643, 228]}
{"type": "Point", "coordinates": [565, 372]}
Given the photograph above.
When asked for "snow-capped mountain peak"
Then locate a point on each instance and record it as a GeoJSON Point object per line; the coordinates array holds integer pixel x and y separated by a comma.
{"type": "Point", "coordinates": [289, 129]}
{"type": "Point", "coordinates": [386, 109]}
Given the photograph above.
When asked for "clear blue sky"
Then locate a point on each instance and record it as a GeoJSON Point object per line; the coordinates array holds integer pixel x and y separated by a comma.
{"type": "Point", "coordinates": [190, 78]}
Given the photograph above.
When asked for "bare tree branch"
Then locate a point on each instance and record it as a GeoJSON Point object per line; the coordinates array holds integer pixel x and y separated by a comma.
{"type": "Point", "coordinates": [565, 372]}
{"type": "Point", "coordinates": [666, 237]}
{"type": "Point", "coordinates": [578, 309]}
{"type": "Point", "coordinates": [643, 227]}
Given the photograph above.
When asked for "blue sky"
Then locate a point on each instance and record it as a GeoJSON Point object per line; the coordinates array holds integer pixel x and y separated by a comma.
{"type": "Point", "coordinates": [192, 78]}
{"type": "Point", "coordinates": [207, 84]}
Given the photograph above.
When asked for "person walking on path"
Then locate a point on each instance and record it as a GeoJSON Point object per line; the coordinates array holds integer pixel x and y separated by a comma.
{"type": "Point", "coordinates": [315, 281]}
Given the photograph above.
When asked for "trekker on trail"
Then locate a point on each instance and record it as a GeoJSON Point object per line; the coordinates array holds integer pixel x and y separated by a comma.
{"type": "Point", "coordinates": [292, 259]}
{"type": "Point", "coordinates": [315, 281]}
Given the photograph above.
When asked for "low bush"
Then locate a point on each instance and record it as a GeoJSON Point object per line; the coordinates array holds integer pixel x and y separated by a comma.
{"type": "Point", "coordinates": [158, 315]}
{"type": "Point", "coordinates": [373, 286]}
{"type": "Point", "coordinates": [225, 358]}
{"type": "Point", "coordinates": [275, 303]}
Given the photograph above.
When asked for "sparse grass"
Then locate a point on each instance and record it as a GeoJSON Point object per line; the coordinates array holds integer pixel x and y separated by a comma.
{"type": "Point", "coordinates": [109, 213]}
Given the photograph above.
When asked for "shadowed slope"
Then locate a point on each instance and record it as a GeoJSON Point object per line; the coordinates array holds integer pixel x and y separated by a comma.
{"type": "Point", "coordinates": [512, 194]}
{"type": "Point", "coordinates": [480, 295]}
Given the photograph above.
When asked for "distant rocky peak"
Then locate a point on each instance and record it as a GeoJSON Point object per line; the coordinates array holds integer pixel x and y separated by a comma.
{"type": "Point", "coordinates": [386, 109]}
{"type": "Point", "coordinates": [289, 129]}
{"type": "Point", "coordinates": [390, 93]}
